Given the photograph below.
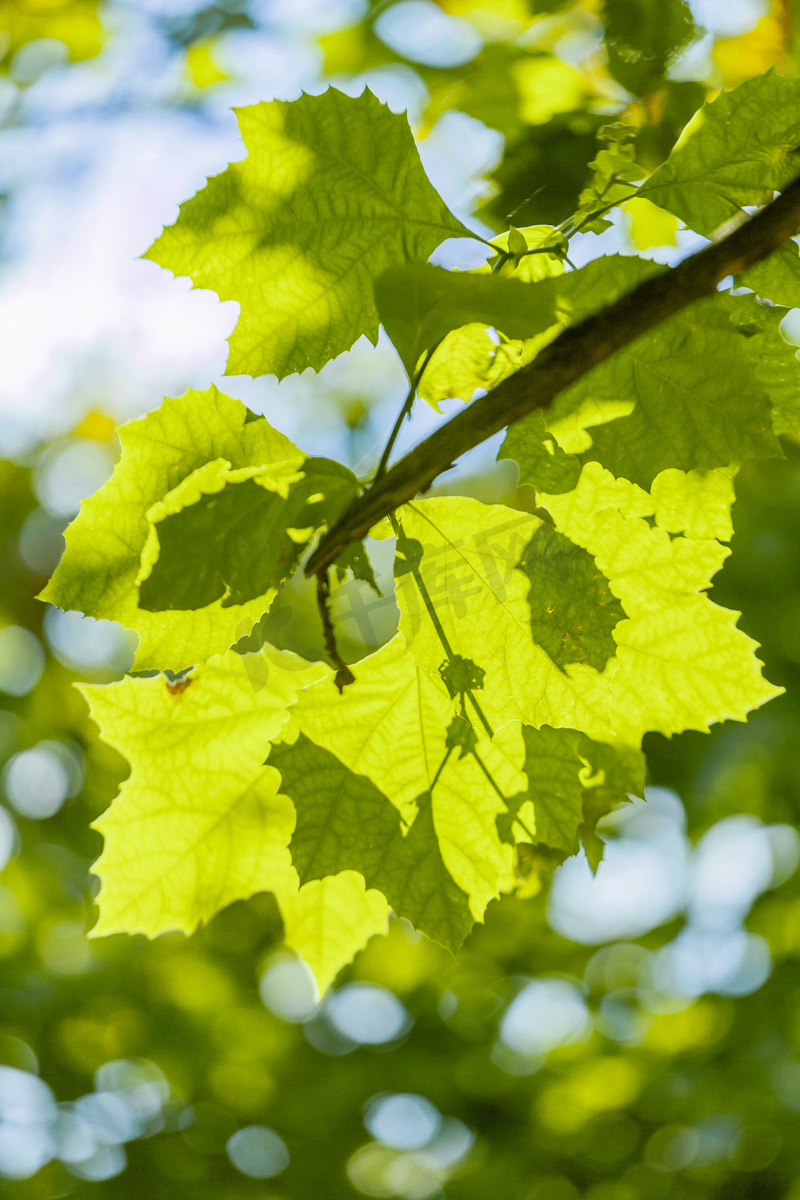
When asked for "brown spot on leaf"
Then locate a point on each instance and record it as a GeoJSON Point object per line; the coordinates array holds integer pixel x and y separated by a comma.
{"type": "Point", "coordinates": [179, 686]}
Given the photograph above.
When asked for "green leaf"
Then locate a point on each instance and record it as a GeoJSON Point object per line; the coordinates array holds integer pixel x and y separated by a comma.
{"type": "Point", "coordinates": [190, 448]}
{"type": "Point", "coordinates": [569, 776]}
{"type": "Point", "coordinates": [331, 194]}
{"type": "Point", "coordinates": [601, 283]}
{"type": "Point", "coordinates": [343, 820]}
{"type": "Point", "coordinates": [553, 796]}
{"type": "Point", "coordinates": [390, 728]}
{"type": "Point", "coordinates": [468, 358]}
{"type": "Point", "coordinates": [683, 396]}
{"type": "Point", "coordinates": [419, 305]}
{"type": "Point", "coordinates": [583, 630]}
{"type": "Point", "coordinates": [683, 664]}
{"type": "Point", "coordinates": [542, 462]}
{"type": "Point", "coordinates": [774, 361]}
{"type": "Point", "coordinates": [463, 595]}
{"type": "Point", "coordinates": [776, 278]}
{"type": "Point", "coordinates": [733, 153]}
{"type": "Point", "coordinates": [200, 822]}
{"type": "Point", "coordinates": [240, 543]}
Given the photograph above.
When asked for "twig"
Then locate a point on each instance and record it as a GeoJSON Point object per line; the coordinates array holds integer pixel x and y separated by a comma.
{"type": "Point", "coordinates": [568, 358]}
{"type": "Point", "coordinates": [404, 412]}
{"type": "Point", "coordinates": [343, 674]}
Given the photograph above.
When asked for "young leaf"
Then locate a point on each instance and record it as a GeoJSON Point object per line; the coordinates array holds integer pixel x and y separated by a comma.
{"type": "Point", "coordinates": [331, 194]}
{"type": "Point", "coordinates": [464, 599]}
{"type": "Point", "coordinates": [175, 456]}
{"type": "Point", "coordinates": [683, 664]}
{"type": "Point", "coordinates": [390, 730]}
{"type": "Point", "coordinates": [733, 153]}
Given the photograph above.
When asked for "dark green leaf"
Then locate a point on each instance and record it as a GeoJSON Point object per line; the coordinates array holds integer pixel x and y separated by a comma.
{"type": "Point", "coordinates": [419, 305]}
{"type": "Point", "coordinates": [776, 278]}
{"type": "Point", "coordinates": [642, 37]}
{"type": "Point", "coordinates": [573, 613]}
{"type": "Point", "coordinates": [236, 543]}
{"type": "Point", "coordinates": [345, 823]}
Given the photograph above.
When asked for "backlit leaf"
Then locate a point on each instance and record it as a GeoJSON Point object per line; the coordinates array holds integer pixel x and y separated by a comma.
{"type": "Point", "coordinates": [692, 397]}
{"type": "Point", "coordinates": [390, 726]}
{"type": "Point", "coordinates": [460, 582]}
{"type": "Point", "coordinates": [331, 194]}
{"type": "Point", "coordinates": [179, 455]}
{"type": "Point", "coordinates": [733, 153]}
{"type": "Point", "coordinates": [683, 664]}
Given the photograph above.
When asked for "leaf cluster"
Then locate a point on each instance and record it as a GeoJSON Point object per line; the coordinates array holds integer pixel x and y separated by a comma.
{"type": "Point", "coordinates": [538, 641]}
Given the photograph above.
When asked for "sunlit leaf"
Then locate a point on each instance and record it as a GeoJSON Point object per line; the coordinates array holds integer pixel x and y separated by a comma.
{"type": "Point", "coordinates": [184, 454]}
{"type": "Point", "coordinates": [733, 153]}
{"type": "Point", "coordinates": [330, 195]}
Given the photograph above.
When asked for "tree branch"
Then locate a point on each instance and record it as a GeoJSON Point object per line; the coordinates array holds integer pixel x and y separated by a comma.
{"type": "Point", "coordinates": [574, 353]}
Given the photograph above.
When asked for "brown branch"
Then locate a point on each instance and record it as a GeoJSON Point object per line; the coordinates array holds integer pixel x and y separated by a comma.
{"type": "Point", "coordinates": [562, 363]}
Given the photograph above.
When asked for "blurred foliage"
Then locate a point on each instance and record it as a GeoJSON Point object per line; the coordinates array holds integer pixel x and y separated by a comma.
{"type": "Point", "coordinates": [53, 30]}
{"type": "Point", "coordinates": [697, 1100]}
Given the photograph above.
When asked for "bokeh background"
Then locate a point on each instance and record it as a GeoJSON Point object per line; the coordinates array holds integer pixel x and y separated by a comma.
{"type": "Point", "coordinates": [633, 1035]}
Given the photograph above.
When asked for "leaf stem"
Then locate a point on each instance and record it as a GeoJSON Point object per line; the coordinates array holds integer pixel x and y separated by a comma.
{"type": "Point", "coordinates": [567, 359]}
{"type": "Point", "coordinates": [405, 411]}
